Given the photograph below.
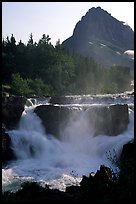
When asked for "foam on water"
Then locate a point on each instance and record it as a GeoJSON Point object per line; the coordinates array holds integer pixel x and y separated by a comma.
{"type": "Point", "coordinates": [58, 163]}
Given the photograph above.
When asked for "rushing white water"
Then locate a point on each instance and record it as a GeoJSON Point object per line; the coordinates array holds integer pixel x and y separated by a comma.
{"type": "Point", "coordinates": [59, 163]}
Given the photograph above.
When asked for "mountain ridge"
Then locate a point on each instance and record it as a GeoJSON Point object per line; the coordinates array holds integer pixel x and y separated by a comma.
{"type": "Point", "coordinates": [101, 36]}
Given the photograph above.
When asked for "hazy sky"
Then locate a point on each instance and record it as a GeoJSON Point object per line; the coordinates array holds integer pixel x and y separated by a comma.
{"type": "Point", "coordinates": [56, 19]}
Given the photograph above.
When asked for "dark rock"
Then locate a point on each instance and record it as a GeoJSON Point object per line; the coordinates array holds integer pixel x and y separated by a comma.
{"type": "Point", "coordinates": [127, 160]}
{"type": "Point", "coordinates": [87, 181]}
{"type": "Point", "coordinates": [7, 152]}
{"type": "Point", "coordinates": [97, 186]}
{"type": "Point", "coordinates": [103, 175]}
{"type": "Point", "coordinates": [110, 120]}
{"type": "Point", "coordinates": [12, 108]}
{"type": "Point", "coordinates": [72, 189]}
{"type": "Point", "coordinates": [99, 119]}
{"type": "Point", "coordinates": [33, 193]}
{"type": "Point", "coordinates": [54, 118]}
{"type": "Point", "coordinates": [127, 172]}
{"type": "Point", "coordinates": [58, 100]}
{"type": "Point", "coordinates": [128, 151]}
{"type": "Point", "coordinates": [119, 118]}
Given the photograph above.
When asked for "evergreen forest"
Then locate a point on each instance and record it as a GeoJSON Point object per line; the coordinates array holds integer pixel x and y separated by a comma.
{"type": "Point", "coordinates": [43, 69]}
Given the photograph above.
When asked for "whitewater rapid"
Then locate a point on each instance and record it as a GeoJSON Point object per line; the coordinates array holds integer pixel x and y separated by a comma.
{"type": "Point", "coordinates": [59, 162]}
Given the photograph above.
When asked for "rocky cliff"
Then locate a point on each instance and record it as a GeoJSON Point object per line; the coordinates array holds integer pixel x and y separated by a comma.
{"type": "Point", "coordinates": [12, 109]}
{"type": "Point", "coordinates": [102, 37]}
{"type": "Point", "coordinates": [110, 120]}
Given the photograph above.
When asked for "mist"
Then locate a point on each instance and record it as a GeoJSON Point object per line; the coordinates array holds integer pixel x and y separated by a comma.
{"type": "Point", "coordinates": [60, 162]}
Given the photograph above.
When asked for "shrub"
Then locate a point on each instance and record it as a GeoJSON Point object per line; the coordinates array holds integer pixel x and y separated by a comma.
{"type": "Point", "coordinates": [19, 85]}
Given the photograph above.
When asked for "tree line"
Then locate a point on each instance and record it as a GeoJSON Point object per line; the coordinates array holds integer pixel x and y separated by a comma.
{"type": "Point", "coordinates": [43, 69]}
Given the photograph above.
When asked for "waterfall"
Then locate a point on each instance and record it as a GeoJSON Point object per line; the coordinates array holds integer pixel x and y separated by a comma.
{"type": "Point", "coordinates": [59, 162]}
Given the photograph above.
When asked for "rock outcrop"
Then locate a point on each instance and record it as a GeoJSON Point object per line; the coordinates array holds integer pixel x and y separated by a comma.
{"type": "Point", "coordinates": [12, 108]}
{"type": "Point", "coordinates": [110, 120]}
{"type": "Point", "coordinates": [100, 188]}
{"type": "Point", "coordinates": [7, 152]}
{"type": "Point", "coordinates": [53, 117]}
{"type": "Point", "coordinates": [127, 163]}
{"type": "Point", "coordinates": [102, 37]}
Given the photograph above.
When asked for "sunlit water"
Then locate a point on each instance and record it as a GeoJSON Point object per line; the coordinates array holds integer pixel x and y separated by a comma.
{"type": "Point", "coordinates": [59, 163]}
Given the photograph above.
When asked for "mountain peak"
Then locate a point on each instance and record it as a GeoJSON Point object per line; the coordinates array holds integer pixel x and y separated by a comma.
{"type": "Point", "coordinates": [102, 37]}
{"type": "Point", "coordinates": [97, 11]}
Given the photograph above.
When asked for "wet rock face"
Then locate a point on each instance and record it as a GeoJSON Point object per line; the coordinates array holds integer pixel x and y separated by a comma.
{"type": "Point", "coordinates": [127, 157]}
{"type": "Point", "coordinates": [99, 119]}
{"type": "Point", "coordinates": [7, 152]}
{"type": "Point", "coordinates": [110, 120]}
{"type": "Point", "coordinates": [93, 188]}
{"type": "Point", "coordinates": [12, 108]}
{"type": "Point", "coordinates": [127, 164]}
{"type": "Point", "coordinates": [102, 176]}
{"type": "Point", "coordinates": [128, 151]}
{"type": "Point", "coordinates": [53, 117]}
{"type": "Point", "coordinates": [119, 118]}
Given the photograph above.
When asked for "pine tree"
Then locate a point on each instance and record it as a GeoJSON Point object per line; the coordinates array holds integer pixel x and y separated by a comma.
{"type": "Point", "coordinates": [30, 41]}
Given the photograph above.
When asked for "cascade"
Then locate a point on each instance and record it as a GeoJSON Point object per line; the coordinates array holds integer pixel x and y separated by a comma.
{"type": "Point", "coordinates": [48, 160]}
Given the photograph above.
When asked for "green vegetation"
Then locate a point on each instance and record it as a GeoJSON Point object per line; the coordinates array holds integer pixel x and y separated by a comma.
{"type": "Point", "coordinates": [22, 86]}
{"type": "Point", "coordinates": [19, 85]}
{"type": "Point", "coordinates": [43, 69]}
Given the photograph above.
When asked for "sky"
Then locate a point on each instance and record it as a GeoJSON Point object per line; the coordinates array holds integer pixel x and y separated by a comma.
{"type": "Point", "coordinates": [56, 19]}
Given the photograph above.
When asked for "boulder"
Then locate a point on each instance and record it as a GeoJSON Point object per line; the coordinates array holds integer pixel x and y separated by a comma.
{"type": "Point", "coordinates": [99, 119]}
{"type": "Point", "coordinates": [97, 186]}
{"type": "Point", "coordinates": [103, 175]}
{"type": "Point", "coordinates": [128, 151]}
{"type": "Point", "coordinates": [119, 118]}
{"type": "Point", "coordinates": [12, 108]}
{"type": "Point", "coordinates": [53, 117]}
{"type": "Point", "coordinates": [109, 120]}
{"type": "Point", "coordinates": [127, 163]}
